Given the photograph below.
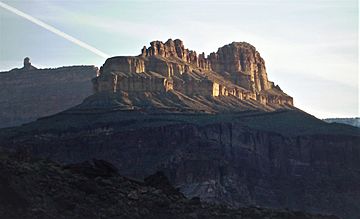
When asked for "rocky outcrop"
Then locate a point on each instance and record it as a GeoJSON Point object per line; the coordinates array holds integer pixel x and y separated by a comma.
{"type": "Point", "coordinates": [123, 64]}
{"type": "Point", "coordinates": [32, 188]}
{"type": "Point", "coordinates": [27, 65]}
{"type": "Point", "coordinates": [243, 62]}
{"type": "Point", "coordinates": [238, 59]}
{"type": "Point", "coordinates": [28, 93]}
{"type": "Point", "coordinates": [171, 49]}
{"type": "Point", "coordinates": [234, 70]}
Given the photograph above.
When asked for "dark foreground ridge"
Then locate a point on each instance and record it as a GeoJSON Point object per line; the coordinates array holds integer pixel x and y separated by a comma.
{"type": "Point", "coordinates": [282, 159]}
{"type": "Point", "coordinates": [35, 188]}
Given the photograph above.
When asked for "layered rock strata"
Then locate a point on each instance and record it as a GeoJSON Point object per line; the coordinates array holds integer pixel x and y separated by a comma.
{"type": "Point", "coordinates": [236, 69]}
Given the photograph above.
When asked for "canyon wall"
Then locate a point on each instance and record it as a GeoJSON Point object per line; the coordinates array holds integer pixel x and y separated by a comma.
{"type": "Point", "coordinates": [237, 159]}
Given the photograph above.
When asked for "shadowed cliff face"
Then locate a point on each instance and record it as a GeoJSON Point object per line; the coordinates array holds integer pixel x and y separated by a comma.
{"type": "Point", "coordinates": [36, 188]}
{"type": "Point", "coordinates": [28, 93]}
{"type": "Point", "coordinates": [248, 158]}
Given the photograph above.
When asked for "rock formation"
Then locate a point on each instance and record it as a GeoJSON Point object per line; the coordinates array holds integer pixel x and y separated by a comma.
{"type": "Point", "coordinates": [150, 113]}
{"type": "Point", "coordinates": [28, 93]}
{"type": "Point", "coordinates": [234, 70]}
{"type": "Point", "coordinates": [27, 65]}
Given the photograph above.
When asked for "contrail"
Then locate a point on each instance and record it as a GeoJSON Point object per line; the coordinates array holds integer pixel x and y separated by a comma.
{"type": "Point", "coordinates": [54, 30]}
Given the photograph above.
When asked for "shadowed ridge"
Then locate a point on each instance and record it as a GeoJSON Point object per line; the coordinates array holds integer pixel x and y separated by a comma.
{"type": "Point", "coordinates": [36, 188]}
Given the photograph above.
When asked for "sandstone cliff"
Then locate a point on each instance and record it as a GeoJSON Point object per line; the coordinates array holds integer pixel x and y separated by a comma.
{"type": "Point", "coordinates": [235, 70]}
{"type": "Point", "coordinates": [28, 93]}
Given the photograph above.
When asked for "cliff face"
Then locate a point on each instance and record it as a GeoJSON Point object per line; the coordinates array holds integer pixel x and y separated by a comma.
{"type": "Point", "coordinates": [235, 70]}
{"type": "Point", "coordinates": [29, 93]}
{"type": "Point", "coordinates": [243, 62]}
{"type": "Point", "coordinates": [241, 159]}
{"type": "Point", "coordinates": [92, 189]}
{"type": "Point", "coordinates": [238, 59]}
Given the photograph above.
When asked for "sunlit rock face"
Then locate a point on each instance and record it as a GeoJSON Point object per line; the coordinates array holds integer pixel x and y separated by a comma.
{"type": "Point", "coordinates": [236, 70]}
{"type": "Point", "coordinates": [241, 60]}
{"type": "Point", "coordinates": [124, 64]}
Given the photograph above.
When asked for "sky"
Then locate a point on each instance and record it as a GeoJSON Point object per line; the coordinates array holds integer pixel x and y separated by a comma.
{"type": "Point", "coordinates": [310, 46]}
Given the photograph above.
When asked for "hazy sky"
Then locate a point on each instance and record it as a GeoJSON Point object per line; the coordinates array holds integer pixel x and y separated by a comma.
{"type": "Point", "coordinates": [310, 46]}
